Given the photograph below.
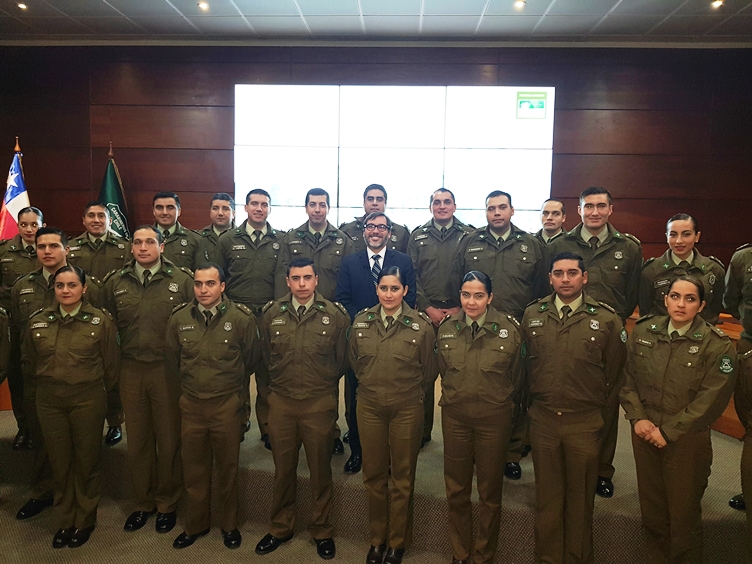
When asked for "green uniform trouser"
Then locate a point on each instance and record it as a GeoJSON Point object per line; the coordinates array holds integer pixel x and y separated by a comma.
{"type": "Point", "coordinates": [41, 473]}
{"type": "Point", "coordinates": [566, 448]}
{"type": "Point", "coordinates": [520, 434]}
{"type": "Point", "coordinates": [151, 403]}
{"type": "Point", "coordinates": [16, 382]}
{"type": "Point", "coordinates": [671, 482]}
{"type": "Point", "coordinates": [71, 416]}
{"type": "Point", "coordinates": [610, 416]}
{"type": "Point", "coordinates": [211, 431]}
{"type": "Point", "coordinates": [115, 416]}
{"type": "Point", "coordinates": [475, 434]}
{"type": "Point", "coordinates": [390, 434]}
{"type": "Point", "coordinates": [309, 422]}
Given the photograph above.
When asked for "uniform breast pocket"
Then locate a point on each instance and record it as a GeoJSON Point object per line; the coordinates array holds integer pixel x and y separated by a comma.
{"type": "Point", "coordinates": [367, 344]}
{"type": "Point", "coordinates": [84, 344]}
{"type": "Point", "coordinates": [190, 341]}
{"type": "Point", "coordinates": [536, 342]}
{"type": "Point", "coordinates": [594, 346]}
{"type": "Point", "coordinates": [451, 351]}
{"type": "Point", "coordinates": [524, 267]}
{"type": "Point", "coordinates": [406, 349]}
{"type": "Point", "coordinates": [614, 274]}
{"type": "Point", "coordinates": [320, 341]}
{"type": "Point", "coordinates": [691, 372]}
{"type": "Point", "coordinates": [226, 349]}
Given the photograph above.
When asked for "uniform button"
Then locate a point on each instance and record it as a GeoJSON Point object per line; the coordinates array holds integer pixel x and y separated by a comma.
{"type": "Point", "coordinates": [92, 333]}
{"type": "Point", "coordinates": [422, 243]}
{"type": "Point", "coordinates": [226, 341]}
{"type": "Point", "coordinates": [413, 340]}
{"type": "Point", "coordinates": [616, 268]}
{"type": "Point", "coordinates": [534, 333]}
{"type": "Point", "coordinates": [360, 334]}
{"type": "Point", "coordinates": [688, 364]}
{"type": "Point", "coordinates": [501, 347]}
{"type": "Point", "coordinates": [39, 334]}
{"type": "Point", "coordinates": [524, 258]}
{"type": "Point", "coordinates": [592, 338]}
{"type": "Point", "coordinates": [337, 252]}
{"type": "Point", "coordinates": [323, 333]}
{"type": "Point", "coordinates": [558, 413]}
{"type": "Point", "coordinates": [446, 346]}
{"type": "Point", "coordinates": [475, 258]}
{"type": "Point", "coordinates": [171, 298]}
{"type": "Point", "coordinates": [277, 333]}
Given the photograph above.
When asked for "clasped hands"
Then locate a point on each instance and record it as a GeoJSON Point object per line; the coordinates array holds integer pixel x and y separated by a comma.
{"type": "Point", "coordinates": [645, 429]}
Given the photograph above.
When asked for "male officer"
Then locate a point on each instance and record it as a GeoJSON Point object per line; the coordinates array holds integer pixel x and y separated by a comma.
{"type": "Point", "coordinates": [18, 257]}
{"type": "Point", "coordinates": [515, 261]}
{"type": "Point", "coordinates": [356, 291]}
{"type": "Point", "coordinates": [98, 251]}
{"type": "Point", "coordinates": [222, 216]}
{"type": "Point", "coordinates": [248, 254]}
{"type": "Point", "coordinates": [614, 262]}
{"type": "Point", "coordinates": [181, 245]}
{"type": "Point", "coordinates": [737, 299]}
{"type": "Point", "coordinates": [212, 347]}
{"type": "Point", "coordinates": [553, 216]}
{"type": "Point", "coordinates": [576, 351]}
{"type": "Point", "coordinates": [432, 248]}
{"type": "Point", "coordinates": [682, 259]}
{"type": "Point", "coordinates": [31, 292]}
{"type": "Point", "coordinates": [374, 200]}
{"type": "Point", "coordinates": [141, 297]}
{"type": "Point", "coordinates": [305, 350]}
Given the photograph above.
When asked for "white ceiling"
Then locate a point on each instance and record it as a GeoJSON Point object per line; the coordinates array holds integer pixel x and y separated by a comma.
{"type": "Point", "coordinates": [630, 21]}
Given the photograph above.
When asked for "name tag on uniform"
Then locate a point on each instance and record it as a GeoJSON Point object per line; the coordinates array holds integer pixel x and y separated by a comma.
{"type": "Point", "coordinates": [296, 242]}
{"type": "Point", "coordinates": [26, 291]}
{"type": "Point", "coordinates": [118, 292]}
{"type": "Point", "coordinates": [535, 323]}
{"type": "Point", "coordinates": [238, 247]}
{"type": "Point", "coordinates": [280, 321]}
{"type": "Point", "coordinates": [39, 325]}
{"type": "Point", "coordinates": [661, 283]}
{"type": "Point", "coordinates": [78, 248]}
{"type": "Point", "coordinates": [187, 328]}
{"type": "Point", "coordinates": [644, 342]}
{"type": "Point", "coordinates": [7, 260]}
{"type": "Point", "coordinates": [419, 237]}
{"type": "Point", "coordinates": [447, 336]}
{"type": "Point", "coordinates": [475, 249]}
{"type": "Point", "coordinates": [361, 325]}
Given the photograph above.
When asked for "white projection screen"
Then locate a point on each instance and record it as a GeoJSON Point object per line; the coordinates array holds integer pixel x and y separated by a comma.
{"type": "Point", "coordinates": [410, 139]}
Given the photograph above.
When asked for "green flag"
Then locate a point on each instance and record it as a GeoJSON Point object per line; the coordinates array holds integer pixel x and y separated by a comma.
{"type": "Point", "coordinates": [113, 196]}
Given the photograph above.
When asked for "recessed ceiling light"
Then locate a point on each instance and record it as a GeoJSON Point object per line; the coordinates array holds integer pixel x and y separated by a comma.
{"type": "Point", "coordinates": [204, 6]}
{"type": "Point", "coordinates": [519, 4]}
{"type": "Point", "coordinates": [22, 6]}
{"type": "Point", "coordinates": [717, 3]}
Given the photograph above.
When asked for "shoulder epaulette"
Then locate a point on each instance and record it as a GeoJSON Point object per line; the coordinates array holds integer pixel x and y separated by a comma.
{"type": "Point", "coordinates": [341, 308]}
{"type": "Point", "coordinates": [179, 307]}
{"type": "Point", "coordinates": [267, 306]}
{"type": "Point", "coordinates": [447, 316]}
{"type": "Point", "coordinates": [744, 246]}
{"type": "Point", "coordinates": [717, 260]}
{"type": "Point", "coordinates": [632, 237]}
{"type": "Point", "coordinates": [2, 311]}
{"type": "Point", "coordinates": [96, 280]}
{"type": "Point", "coordinates": [244, 308]}
{"type": "Point", "coordinates": [513, 319]}
{"type": "Point", "coordinates": [647, 262]}
{"type": "Point", "coordinates": [535, 301]}
{"type": "Point", "coordinates": [109, 275]}
{"type": "Point", "coordinates": [747, 354]}
{"type": "Point", "coordinates": [644, 317]}
{"type": "Point", "coordinates": [33, 313]}
{"type": "Point", "coordinates": [424, 316]}
{"type": "Point", "coordinates": [717, 331]}
{"type": "Point", "coordinates": [187, 270]}
{"type": "Point", "coordinates": [608, 307]}
{"type": "Point", "coordinates": [107, 313]}
{"type": "Point", "coordinates": [365, 309]}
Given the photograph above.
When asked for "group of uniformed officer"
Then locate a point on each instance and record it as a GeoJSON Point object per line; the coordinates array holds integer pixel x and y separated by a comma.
{"type": "Point", "coordinates": [230, 327]}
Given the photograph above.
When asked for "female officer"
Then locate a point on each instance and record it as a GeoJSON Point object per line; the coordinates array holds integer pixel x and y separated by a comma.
{"type": "Point", "coordinates": [392, 354]}
{"type": "Point", "coordinates": [71, 346]}
{"type": "Point", "coordinates": [678, 379]}
{"type": "Point", "coordinates": [479, 359]}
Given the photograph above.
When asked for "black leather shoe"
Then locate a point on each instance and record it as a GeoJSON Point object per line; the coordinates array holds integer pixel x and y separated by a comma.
{"type": "Point", "coordinates": [114, 436]}
{"type": "Point", "coordinates": [185, 540]}
{"type": "Point", "coordinates": [232, 539]}
{"type": "Point", "coordinates": [353, 464]}
{"type": "Point", "coordinates": [394, 555]}
{"type": "Point", "coordinates": [525, 450]}
{"type": "Point", "coordinates": [325, 548]}
{"type": "Point", "coordinates": [137, 519]}
{"type": "Point", "coordinates": [62, 537]}
{"type": "Point", "coordinates": [79, 537]}
{"type": "Point", "coordinates": [270, 543]}
{"type": "Point", "coordinates": [346, 437]}
{"type": "Point", "coordinates": [339, 448]}
{"type": "Point", "coordinates": [737, 502]}
{"type": "Point", "coordinates": [165, 522]}
{"type": "Point", "coordinates": [424, 441]}
{"type": "Point", "coordinates": [513, 471]}
{"type": "Point", "coordinates": [376, 554]}
{"type": "Point", "coordinates": [605, 487]}
{"type": "Point", "coordinates": [21, 440]}
{"type": "Point", "coordinates": [247, 426]}
{"type": "Point", "coordinates": [33, 507]}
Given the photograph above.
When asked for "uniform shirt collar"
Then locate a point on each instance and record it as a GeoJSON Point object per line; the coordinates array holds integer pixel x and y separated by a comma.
{"type": "Point", "coordinates": [545, 236]}
{"type": "Point", "coordinates": [47, 274]}
{"type": "Point", "coordinates": [312, 231]}
{"type": "Point", "coordinates": [217, 232]}
{"type": "Point", "coordinates": [676, 260]}
{"type": "Point", "coordinates": [213, 310]}
{"type": "Point", "coordinates": [481, 320]}
{"type": "Point", "coordinates": [249, 229]}
{"type": "Point", "coordinates": [395, 315]}
{"type": "Point", "coordinates": [94, 239]}
{"type": "Point", "coordinates": [683, 331]}
{"type": "Point", "coordinates": [448, 226]}
{"type": "Point", "coordinates": [74, 313]}
{"type": "Point", "coordinates": [587, 235]}
{"type": "Point", "coordinates": [140, 270]}
{"type": "Point", "coordinates": [575, 305]}
{"type": "Point", "coordinates": [169, 231]}
{"type": "Point", "coordinates": [296, 304]}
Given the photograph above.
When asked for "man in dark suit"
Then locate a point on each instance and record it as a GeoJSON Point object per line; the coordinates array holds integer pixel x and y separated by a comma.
{"type": "Point", "coordinates": [356, 290]}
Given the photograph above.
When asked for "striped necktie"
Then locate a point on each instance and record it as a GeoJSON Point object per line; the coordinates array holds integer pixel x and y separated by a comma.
{"type": "Point", "coordinates": [376, 270]}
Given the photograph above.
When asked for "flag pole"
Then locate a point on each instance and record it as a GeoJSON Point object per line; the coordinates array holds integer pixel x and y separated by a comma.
{"type": "Point", "coordinates": [110, 154]}
{"type": "Point", "coordinates": [17, 148]}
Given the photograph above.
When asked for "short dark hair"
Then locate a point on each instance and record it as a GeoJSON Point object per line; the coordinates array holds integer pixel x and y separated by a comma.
{"type": "Point", "coordinates": [317, 192]}
{"type": "Point", "coordinates": [594, 191]}
{"type": "Point", "coordinates": [566, 255]}
{"type": "Point", "coordinates": [373, 215]}
{"type": "Point", "coordinates": [392, 271]}
{"type": "Point", "coordinates": [374, 187]}
{"type": "Point", "coordinates": [682, 217]}
{"type": "Point", "coordinates": [166, 194]}
{"type": "Point", "coordinates": [157, 232]}
{"type": "Point", "coordinates": [97, 204]}
{"type": "Point", "coordinates": [224, 196]}
{"type": "Point", "coordinates": [481, 277]}
{"type": "Point", "coordinates": [496, 194]}
{"type": "Point", "coordinates": [209, 266]}
{"type": "Point", "coordinates": [70, 268]}
{"type": "Point", "coordinates": [30, 209]}
{"type": "Point", "coordinates": [52, 231]}
{"type": "Point", "coordinates": [302, 262]}
{"type": "Point", "coordinates": [430, 202]}
{"type": "Point", "coordinates": [692, 280]}
{"type": "Point", "coordinates": [257, 191]}
{"type": "Point", "coordinates": [563, 209]}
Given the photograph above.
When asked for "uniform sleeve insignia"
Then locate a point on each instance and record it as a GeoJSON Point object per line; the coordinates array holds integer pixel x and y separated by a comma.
{"type": "Point", "coordinates": [523, 350]}
{"type": "Point", "coordinates": [325, 320]}
{"type": "Point", "coordinates": [95, 320]}
{"type": "Point", "coordinates": [503, 333]}
{"type": "Point", "coordinates": [618, 255]}
{"type": "Point", "coordinates": [347, 333]}
{"type": "Point", "coordinates": [173, 287]}
{"type": "Point", "coordinates": [726, 366]}
{"type": "Point", "coordinates": [523, 248]}
{"type": "Point", "coordinates": [371, 316]}
{"type": "Point", "coordinates": [595, 324]}
{"type": "Point", "coordinates": [121, 246]}
{"type": "Point", "coordinates": [275, 246]}
{"type": "Point", "coordinates": [184, 242]}
{"type": "Point", "coordinates": [339, 240]}
{"type": "Point", "coordinates": [415, 327]}
{"type": "Point", "coordinates": [711, 279]}
{"type": "Point", "coordinates": [543, 307]}
{"type": "Point", "coordinates": [623, 335]}
{"type": "Point", "coordinates": [228, 326]}
{"type": "Point", "coordinates": [694, 349]}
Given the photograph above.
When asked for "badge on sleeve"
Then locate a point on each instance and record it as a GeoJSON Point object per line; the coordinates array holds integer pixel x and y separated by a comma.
{"type": "Point", "coordinates": [726, 366]}
{"type": "Point", "coordinates": [623, 335]}
{"type": "Point", "coordinates": [711, 279]}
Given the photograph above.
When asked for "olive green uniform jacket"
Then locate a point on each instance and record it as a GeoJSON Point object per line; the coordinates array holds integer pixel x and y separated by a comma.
{"type": "Point", "coordinates": [613, 269]}
{"type": "Point", "coordinates": [142, 313]}
{"type": "Point", "coordinates": [216, 360]}
{"type": "Point", "coordinates": [659, 273]}
{"type": "Point", "coordinates": [327, 256]}
{"type": "Point", "coordinates": [14, 262]}
{"type": "Point", "coordinates": [738, 297]}
{"type": "Point", "coordinates": [573, 366]}
{"type": "Point", "coordinates": [182, 247]}
{"type": "Point", "coordinates": [249, 267]}
{"type": "Point", "coordinates": [209, 249]}
{"type": "Point", "coordinates": [433, 257]}
{"type": "Point", "coordinates": [393, 368]}
{"type": "Point", "coordinates": [518, 267]}
{"type": "Point", "coordinates": [398, 239]}
{"type": "Point", "coordinates": [488, 369]}
{"type": "Point", "coordinates": [680, 386]}
{"type": "Point", "coordinates": [4, 344]}
{"type": "Point", "coordinates": [112, 254]}
{"type": "Point", "coordinates": [307, 356]}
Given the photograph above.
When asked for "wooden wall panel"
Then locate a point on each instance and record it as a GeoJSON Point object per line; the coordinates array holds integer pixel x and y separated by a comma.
{"type": "Point", "coordinates": [406, 74]}
{"type": "Point", "coordinates": [51, 125]}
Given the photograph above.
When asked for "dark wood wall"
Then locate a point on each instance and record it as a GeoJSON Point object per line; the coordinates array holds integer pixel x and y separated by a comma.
{"type": "Point", "coordinates": [665, 130]}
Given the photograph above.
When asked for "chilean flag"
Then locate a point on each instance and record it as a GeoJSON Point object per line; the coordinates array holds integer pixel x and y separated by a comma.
{"type": "Point", "coordinates": [16, 198]}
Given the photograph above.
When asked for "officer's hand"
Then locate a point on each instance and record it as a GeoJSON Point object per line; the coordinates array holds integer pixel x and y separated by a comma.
{"type": "Point", "coordinates": [656, 439]}
{"type": "Point", "coordinates": [450, 311]}
{"type": "Point", "coordinates": [435, 314]}
{"type": "Point", "coordinates": [643, 428]}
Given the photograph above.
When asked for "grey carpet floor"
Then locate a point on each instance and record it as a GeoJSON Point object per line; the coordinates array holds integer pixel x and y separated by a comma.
{"type": "Point", "coordinates": [616, 527]}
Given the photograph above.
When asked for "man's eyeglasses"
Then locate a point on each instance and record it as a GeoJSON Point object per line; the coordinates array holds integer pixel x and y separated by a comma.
{"type": "Point", "coordinates": [373, 227]}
